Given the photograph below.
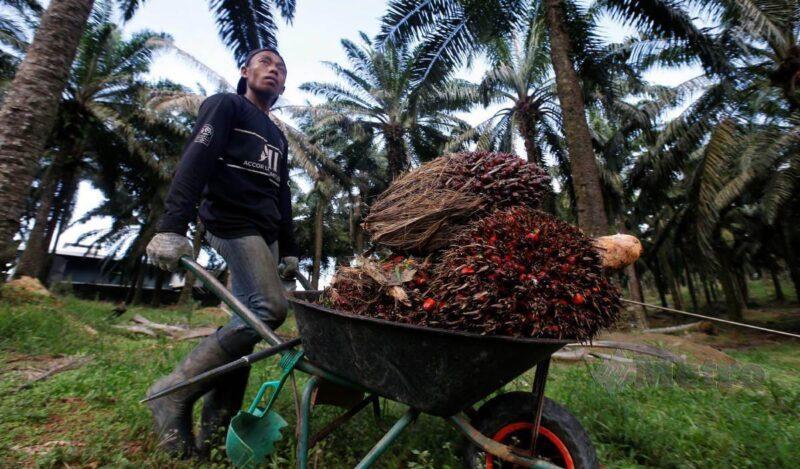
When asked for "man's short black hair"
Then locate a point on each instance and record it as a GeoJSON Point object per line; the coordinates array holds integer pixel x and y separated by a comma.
{"type": "Point", "coordinates": [241, 87]}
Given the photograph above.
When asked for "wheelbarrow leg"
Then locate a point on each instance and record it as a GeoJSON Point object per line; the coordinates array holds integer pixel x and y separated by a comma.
{"type": "Point", "coordinates": [539, 380]}
{"type": "Point", "coordinates": [305, 421]}
{"type": "Point", "coordinates": [388, 439]}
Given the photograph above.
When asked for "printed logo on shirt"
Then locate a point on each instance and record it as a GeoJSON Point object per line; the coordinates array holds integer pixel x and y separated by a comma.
{"type": "Point", "coordinates": [271, 155]}
{"type": "Point", "coordinates": [205, 135]}
{"type": "Point", "coordinates": [265, 163]}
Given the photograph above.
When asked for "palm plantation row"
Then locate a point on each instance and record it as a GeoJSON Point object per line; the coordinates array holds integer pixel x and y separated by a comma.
{"type": "Point", "coordinates": [710, 191]}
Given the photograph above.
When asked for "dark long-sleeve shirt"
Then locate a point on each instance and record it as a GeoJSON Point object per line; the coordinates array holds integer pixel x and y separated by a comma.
{"type": "Point", "coordinates": [236, 166]}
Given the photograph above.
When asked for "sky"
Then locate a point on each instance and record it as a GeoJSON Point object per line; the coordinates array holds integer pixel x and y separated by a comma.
{"type": "Point", "coordinates": [314, 36]}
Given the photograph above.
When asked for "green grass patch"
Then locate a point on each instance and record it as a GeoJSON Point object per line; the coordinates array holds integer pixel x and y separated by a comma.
{"type": "Point", "coordinates": [747, 416]}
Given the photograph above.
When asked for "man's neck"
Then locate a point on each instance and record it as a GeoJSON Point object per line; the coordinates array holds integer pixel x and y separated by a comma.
{"type": "Point", "coordinates": [262, 103]}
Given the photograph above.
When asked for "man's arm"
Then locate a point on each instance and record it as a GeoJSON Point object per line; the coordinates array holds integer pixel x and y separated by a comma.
{"type": "Point", "coordinates": [206, 144]}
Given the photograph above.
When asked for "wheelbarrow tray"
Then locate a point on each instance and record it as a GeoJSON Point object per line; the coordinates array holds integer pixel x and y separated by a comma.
{"type": "Point", "coordinates": [437, 371]}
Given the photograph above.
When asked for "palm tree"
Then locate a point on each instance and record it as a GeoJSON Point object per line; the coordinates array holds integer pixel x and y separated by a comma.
{"type": "Point", "coordinates": [103, 89]}
{"type": "Point", "coordinates": [519, 76]}
{"type": "Point", "coordinates": [30, 106]}
{"type": "Point", "coordinates": [381, 99]}
{"type": "Point", "coordinates": [134, 181]}
{"type": "Point", "coordinates": [734, 151]}
{"type": "Point", "coordinates": [453, 30]}
{"type": "Point", "coordinates": [356, 177]}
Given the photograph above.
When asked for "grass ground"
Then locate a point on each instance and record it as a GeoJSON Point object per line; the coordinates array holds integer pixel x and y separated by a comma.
{"type": "Point", "coordinates": [741, 416]}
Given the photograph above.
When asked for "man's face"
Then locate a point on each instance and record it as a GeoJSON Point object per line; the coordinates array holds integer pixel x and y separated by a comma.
{"type": "Point", "coordinates": [265, 73]}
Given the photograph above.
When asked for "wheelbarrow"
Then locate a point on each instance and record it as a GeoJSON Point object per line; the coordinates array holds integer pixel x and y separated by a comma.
{"type": "Point", "coordinates": [437, 372]}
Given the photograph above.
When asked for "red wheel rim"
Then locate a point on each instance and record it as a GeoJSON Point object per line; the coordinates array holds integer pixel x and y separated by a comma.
{"type": "Point", "coordinates": [504, 432]}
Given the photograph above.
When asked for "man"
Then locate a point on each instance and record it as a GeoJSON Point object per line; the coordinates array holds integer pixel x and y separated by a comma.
{"type": "Point", "coordinates": [235, 165]}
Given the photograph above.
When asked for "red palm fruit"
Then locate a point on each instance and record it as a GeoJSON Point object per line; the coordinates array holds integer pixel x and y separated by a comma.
{"type": "Point", "coordinates": [420, 280]}
{"type": "Point", "coordinates": [429, 304]}
{"type": "Point", "coordinates": [467, 270]}
{"type": "Point", "coordinates": [578, 299]}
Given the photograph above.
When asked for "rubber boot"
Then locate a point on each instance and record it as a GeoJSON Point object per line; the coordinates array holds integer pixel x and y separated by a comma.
{"type": "Point", "coordinates": [172, 414]}
{"type": "Point", "coordinates": [219, 406]}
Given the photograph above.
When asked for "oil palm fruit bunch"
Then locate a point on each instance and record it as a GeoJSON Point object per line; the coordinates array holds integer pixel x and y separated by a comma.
{"type": "Point", "coordinates": [522, 272]}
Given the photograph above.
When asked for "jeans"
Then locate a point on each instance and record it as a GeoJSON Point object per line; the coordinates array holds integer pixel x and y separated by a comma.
{"type": "Point", "coordinates": [255, 282]}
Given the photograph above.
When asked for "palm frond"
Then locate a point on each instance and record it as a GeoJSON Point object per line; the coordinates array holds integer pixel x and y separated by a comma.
{"type": "Point", "coordinates": [250, 24]}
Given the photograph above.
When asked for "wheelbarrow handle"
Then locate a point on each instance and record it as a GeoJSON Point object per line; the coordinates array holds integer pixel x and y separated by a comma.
{"type": "Point", "coordinates": [243, 362]}
{"type": "Point", "coordinates": [227, 297]}
{"type": "Point", "coordinates": [303, 280]}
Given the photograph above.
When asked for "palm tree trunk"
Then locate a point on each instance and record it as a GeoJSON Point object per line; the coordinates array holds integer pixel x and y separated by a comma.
{"type": "Point", "coordinates": [35, 260]}
{"type": "Point", "coordinates": [690, 284]}
{"type": "Point", "coordinates": [54, 229]}
{"type": "Point", "coordinates": [776, 282]}
{"type": "Point", "coordinates": [527, 129]}
{"type": "Point", "coordinates": [356, 232]}
{"type": "Point", "coordinates": [658, 277]}
{"type": "Point", "coordinates": [706, 291]}
{"type": "Point", "coordinates": [791, 258]}
{"type": "Point", "coordinates": [62, 212]}
{"type": "Point", "coordinates": [732, 296]}
{"type": "Point", "coordinates": [714, 294]}
{"type": "Point", "coordinates": [741, 277]}
{"type": "Point", "coordinates": [395, 151]}
{"type": "Point", "coordinates": [635, 289]}
{"type": "Point", "coordinates": [30, 107]}
{"type": "Point", "coordinates": [672, 281]}
{"type": "Point", "coordinates": [585, 175]}
{"type": "Point", "coordinates": [138, 288]}
{"type": "Point", "coordinates": [730, 287]}
{"type": "Point", "coordinates": [662, 294]}
{"type": "Point", "coordinates": [33, 257]}
{"type": "Point", "coordinates": [319, 214]}
{"type": "Point", "coordinates": [156, 300]}
{"type": "Point", "coordinates": [137, 265]}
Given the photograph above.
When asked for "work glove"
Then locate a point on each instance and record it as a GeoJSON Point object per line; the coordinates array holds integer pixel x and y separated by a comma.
{"type": "Point", "coordinates": [288, 267]}
{"type": "Point", "coordinates": [166, 250]}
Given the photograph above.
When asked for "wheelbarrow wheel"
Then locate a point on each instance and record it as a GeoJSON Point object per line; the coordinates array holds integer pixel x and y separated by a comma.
{"type": "Point", "coordinates": [508, 418]}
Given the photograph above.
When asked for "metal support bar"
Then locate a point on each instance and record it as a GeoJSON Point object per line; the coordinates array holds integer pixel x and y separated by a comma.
{"type": "Point", "coordinates": [244, 362]}
{"type": "Point", "coordinates": [504, 452]}
{"type": "Point", "coordinates": [341, 420]}
{"type": "Point", "coordinates": [305, 421]}
{"type": "Point", "coordinates": [389, 438]}
{"type": "Point", "coordinates": [539, 381]}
